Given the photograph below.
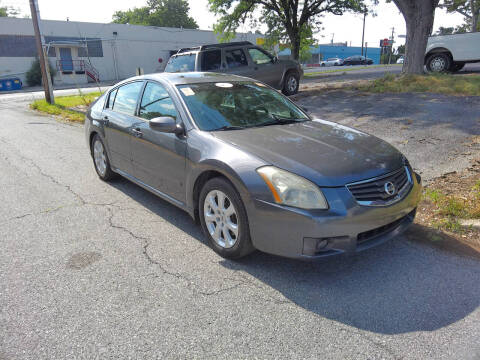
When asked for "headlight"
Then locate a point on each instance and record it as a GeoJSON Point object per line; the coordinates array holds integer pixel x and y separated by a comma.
{"type": "Point", "coordinates": [292, 190]}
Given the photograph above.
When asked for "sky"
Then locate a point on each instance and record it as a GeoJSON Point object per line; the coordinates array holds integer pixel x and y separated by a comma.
{"type": "Point", "coordinates": [345, 28]}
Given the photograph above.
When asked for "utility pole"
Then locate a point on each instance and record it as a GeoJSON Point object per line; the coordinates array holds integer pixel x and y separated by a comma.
{"type": "Point", "coordinates": [42, 57]}
{"type": "Point", "coordinates": [391, 47]}
{"type": "Point", "coordinates": [363, 32]}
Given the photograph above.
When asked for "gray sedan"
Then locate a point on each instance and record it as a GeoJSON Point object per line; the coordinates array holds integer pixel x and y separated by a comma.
{"type": "Point", "coordinates": [253, 168]}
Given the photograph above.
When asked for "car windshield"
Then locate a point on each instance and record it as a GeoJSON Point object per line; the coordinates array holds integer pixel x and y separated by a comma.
{"type": "Point", "coordinates": [238, 105]}
{"type": "Point", "coordinates": [332, 59]}
{"type": "Point", "coordinates": [181, 63]}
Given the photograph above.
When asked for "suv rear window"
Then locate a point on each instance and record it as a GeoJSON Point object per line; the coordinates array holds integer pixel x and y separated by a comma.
{"type": "Point", "coordinates": [211, 60]}
{"type": "Point", "coordinates": [181, 63]}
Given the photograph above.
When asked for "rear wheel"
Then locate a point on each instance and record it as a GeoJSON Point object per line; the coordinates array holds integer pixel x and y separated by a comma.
{"type": "Point", "coordinates": [100, 159]}
{"type": "Point", "coordinates": [439, 63]}
{"type": "Point", "coordinates": [224, 219]}
{"type": "Point", "coordinates": [291, 83]}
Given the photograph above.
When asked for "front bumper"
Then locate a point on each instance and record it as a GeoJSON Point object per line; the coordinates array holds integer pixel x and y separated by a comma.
{"type": "Point", "coordinates": [345, 228]}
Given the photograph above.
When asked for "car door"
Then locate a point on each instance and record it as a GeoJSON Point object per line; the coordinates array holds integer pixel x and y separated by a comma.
{"type": "Point", "coordinates": [158, 157]}
{"type": "Point", "coordinates": [236, 62]}
{"type": "Point", "coordinates": [264, 67]}
{"type": "Point", "coordinates": [119, 119]}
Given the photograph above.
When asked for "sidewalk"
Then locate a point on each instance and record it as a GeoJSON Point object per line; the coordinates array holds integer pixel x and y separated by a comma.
{"type": "Point", "coordinates": [36, 92]}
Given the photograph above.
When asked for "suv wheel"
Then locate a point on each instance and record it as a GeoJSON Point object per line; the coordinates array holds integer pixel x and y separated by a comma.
{"type": "Point", "coordinates": [439, 63]}
{"type": "Point", "coordinates": [224, 219]}
{"type": "Point", "coordinates": [291, 83]}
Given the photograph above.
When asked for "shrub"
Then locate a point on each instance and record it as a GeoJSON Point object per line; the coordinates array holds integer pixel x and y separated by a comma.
{"type": "Point", "coordinates": [34, 74]}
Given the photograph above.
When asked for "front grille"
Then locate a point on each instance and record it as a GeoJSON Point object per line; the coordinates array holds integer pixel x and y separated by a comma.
{"type": "Point", "coordinates": [373, 192]}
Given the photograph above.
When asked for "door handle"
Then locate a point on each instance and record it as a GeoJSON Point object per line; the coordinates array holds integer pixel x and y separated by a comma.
{"type": "Point", "coordinates": [137, 133]}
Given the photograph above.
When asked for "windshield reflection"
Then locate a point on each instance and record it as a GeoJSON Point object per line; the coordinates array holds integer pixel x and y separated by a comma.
{"type": "Point", "coordinates": [238, 105]}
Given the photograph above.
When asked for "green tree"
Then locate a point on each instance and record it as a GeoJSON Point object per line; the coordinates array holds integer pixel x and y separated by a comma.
{"type": "Point", "coordinates": [166, 13]}
{"type": "Point", "coordinates": [445, 30]}
{"type": "Point", "coordinates": [470, 9]}
{"type": "Point", "coordinates": [284, 18]}
{"type": "Point", "coordinates": [8, 11]}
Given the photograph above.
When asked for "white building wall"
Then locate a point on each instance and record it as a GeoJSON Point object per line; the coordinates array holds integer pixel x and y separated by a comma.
{"type": "Point", "coordinates": [135, 46]}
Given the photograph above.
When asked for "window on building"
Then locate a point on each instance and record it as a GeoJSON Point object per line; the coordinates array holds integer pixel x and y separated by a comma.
{"type": "Point", "coordinates": [259, 57]}
{"type": "Point", "coordinates": [211, 60]}
{"type": "Point", "coordinates": [156, 102]}
{"type": "Point", "coordinates": [236, 58]}
{"type": "Point", "coordinates": [127, 97]}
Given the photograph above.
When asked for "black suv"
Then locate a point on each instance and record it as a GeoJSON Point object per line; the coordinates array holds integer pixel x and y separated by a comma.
{"type": "Point", "coordinates": [239, 58]}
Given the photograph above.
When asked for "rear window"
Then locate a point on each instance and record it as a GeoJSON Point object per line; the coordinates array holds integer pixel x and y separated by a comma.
{"type": "Point", "coordinates": [211, 60]}
{"type": "Point", "coordinates": [181, 63]}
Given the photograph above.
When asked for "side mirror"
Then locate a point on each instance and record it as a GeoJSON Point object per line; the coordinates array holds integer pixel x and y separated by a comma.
{"type": "Point", "coordinates": [166, 124]}
{"type": "Point", "coordinates": [275, 59]}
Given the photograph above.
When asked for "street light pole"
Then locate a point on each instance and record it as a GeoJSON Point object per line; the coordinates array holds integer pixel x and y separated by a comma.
{"type": "Point", "coordinates": [42, 57]}
{"type": "Point", "coordinates": [363, 32]}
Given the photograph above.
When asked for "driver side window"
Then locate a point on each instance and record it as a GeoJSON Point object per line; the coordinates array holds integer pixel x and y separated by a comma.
{"type": "Point", "coordinates": [259, 57]}
{"type": "Point", "coordinates": [156, 103]}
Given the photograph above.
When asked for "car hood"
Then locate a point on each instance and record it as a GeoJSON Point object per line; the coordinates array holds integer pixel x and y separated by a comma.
{"type": "Point", "coordinates": [327, 153]}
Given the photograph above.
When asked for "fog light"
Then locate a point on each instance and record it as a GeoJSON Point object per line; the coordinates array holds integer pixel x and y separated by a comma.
{"type": "Point", "coordinates": [312, 246]}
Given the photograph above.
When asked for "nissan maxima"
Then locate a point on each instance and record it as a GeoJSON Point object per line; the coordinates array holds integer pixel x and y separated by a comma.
{"type": "Point", "coordinates": [254, 169]}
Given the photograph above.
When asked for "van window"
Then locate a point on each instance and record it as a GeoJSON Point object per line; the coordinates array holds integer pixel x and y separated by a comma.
{"type": "Point", "coordinates": [211, 60]}
{"type": "Point", "coordinates": [181, 63]}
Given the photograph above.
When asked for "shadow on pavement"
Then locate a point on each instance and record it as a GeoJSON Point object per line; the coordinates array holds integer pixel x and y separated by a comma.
{"type": "Point", "coordinates": [397, 288]}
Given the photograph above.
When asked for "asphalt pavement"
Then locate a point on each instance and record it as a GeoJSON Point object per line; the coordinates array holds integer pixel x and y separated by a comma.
{"type": "Point", "coordinates": [106, 270]}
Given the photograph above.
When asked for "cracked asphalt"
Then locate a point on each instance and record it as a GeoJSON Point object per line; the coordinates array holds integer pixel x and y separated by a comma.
{"type": "Point", "coordinates": [90, 270]}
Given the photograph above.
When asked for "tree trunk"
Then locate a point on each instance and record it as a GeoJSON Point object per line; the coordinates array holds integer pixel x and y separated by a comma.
{"type": "Point", "coordinates": [295, 41]}
{"type": "Point", "coordinates": [419, 16]}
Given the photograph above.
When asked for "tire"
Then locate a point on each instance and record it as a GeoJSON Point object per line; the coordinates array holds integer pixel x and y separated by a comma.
{"type": "Point", "coordinates": [100, 159]}
{"type": "Point", "coordinates": [456, 66]}
{"type": "Point", "coordinates": [218, 221]}
{"type": "Point", "coordinates": [323, 65]}
{"type": "Point", "coordinates": [439, 63]}
{"type": "Point", "coordinates": [291, 83]}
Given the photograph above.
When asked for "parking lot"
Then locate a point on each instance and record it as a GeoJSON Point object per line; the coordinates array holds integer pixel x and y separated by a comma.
{"type": "Point", "coordinates": [97, 270]}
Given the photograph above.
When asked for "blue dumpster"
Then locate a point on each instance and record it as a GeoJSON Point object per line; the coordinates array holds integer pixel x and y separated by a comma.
{"type": "Point", "coordinates": [10, 84]}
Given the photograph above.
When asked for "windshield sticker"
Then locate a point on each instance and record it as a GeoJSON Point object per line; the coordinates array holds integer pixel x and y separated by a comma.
{"type": "Point", "coordinates": [224, 85]}
{"type": "Point", "coordinates": [187, 91]}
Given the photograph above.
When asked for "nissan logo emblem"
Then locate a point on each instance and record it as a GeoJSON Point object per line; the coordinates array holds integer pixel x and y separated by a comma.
{"type": "Point", "coordinates": [390, 188]}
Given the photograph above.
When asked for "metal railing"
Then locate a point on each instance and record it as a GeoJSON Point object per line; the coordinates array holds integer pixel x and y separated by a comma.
{"type": "Point", "coordinates": [77, 66]}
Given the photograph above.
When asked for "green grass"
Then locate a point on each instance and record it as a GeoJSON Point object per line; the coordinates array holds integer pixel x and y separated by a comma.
{"type": "Point", "coordinates": [344, 69]}
{"type": "Point", "coordinates": [451, 208]}
{"type": "Point", "coordinates": [467, 85]}
{"type": "Point", "coordinates": [62, 103]}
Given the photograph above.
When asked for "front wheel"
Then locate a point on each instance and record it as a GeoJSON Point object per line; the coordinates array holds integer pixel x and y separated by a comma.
{"type": "Point", "coordinates": [438, 63]}
{"type": "Point", "coordinates": [291, 84]}
{"type": "Point", "coordinates": [224, 219]}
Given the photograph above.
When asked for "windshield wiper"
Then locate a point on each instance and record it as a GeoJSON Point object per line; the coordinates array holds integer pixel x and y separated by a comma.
{"type": "Point", "coordinates": [277, 120]}
{"type": "Point", "coordinates": [228, 127]}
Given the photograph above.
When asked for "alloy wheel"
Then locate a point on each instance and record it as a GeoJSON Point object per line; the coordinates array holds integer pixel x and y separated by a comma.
{"type": "Point", "coordinates": [221, 219]}
{"type": "Point", "coordinates": [99, 157]}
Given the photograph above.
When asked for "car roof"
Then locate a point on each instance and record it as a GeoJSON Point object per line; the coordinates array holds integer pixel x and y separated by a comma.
{"type": "Point", "coordinates": [189, 77]}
